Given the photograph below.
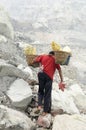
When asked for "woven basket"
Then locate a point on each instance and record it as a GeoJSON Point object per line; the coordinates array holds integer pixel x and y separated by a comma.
{"type": "Point", "coordinates": [62, 57]}
{"type": "Point", "coordinates": [29, 59]}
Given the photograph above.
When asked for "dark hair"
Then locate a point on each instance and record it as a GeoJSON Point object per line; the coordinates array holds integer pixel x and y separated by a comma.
{"type": "Point", "coordinates": [51, 53]}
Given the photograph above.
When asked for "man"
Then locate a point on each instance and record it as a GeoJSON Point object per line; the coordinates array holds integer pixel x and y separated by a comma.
{"type": "Point", "coordinates": [45, 78]}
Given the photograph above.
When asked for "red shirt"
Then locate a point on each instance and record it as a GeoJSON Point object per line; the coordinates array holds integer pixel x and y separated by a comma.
{"type": "Point", "coordinates": [49, 65]}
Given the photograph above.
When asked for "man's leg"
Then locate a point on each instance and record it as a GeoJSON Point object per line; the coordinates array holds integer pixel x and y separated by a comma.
{"type": "Point", "coordinates": [41, 79]}
{"type": "Point", "coordinates": [47, 96]}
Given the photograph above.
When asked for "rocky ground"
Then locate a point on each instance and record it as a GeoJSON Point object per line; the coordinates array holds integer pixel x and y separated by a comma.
{"type": "Point", "coordinates": [19, 84]}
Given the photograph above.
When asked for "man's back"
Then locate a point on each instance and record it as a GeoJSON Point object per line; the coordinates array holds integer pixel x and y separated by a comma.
{"type": "Point", "coordinates": [48, 63]}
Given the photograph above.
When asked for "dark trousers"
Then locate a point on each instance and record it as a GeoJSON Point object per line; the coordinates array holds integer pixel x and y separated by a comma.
{"type": "Point", "coordinates": [44, 92]}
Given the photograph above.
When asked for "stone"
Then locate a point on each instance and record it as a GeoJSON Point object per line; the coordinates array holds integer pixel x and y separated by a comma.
{"type": "Point", "coordinates": [6, 27]}
{"type": "Point", "coordinates": [11, 119]}
{"type": "Point", "coordinates": [69, 122]}
{"type": "Point", "coordinates": [10, 70]}
{"type": "Point", "coordinates": [20, 93]}
{"type": "Point", "coordinates": [44, 121]}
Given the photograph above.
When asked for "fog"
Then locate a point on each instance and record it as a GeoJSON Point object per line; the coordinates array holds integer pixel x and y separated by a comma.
{"type": "Point", "coordinates": [64, 17]}
{"type": "Point", "coordinates": [16, 8]}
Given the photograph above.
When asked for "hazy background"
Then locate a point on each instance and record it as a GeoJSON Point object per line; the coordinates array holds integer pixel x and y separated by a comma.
{"type": "Point", "coordinates": [61, 20]}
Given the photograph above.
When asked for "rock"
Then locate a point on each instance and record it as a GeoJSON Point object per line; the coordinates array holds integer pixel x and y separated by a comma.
{"type": "Point", "coordinates": [81, 71]}
{"type": "Point", "coordinates": [72, 95]}
{"type": "Point", "coordinates": [57, 112]}
{"type": "Point", "coordinates": [67, 122]}
{"type": "Point", "coordinates": [79, 97]}
{"type": "Point", "coordinates": [34, 114]}
{"type": "Point", "coordinates": [33, 82]}
{"type": "Point", "coordinates": [37, 25]}
{"type": "Point", "coordinates": [20, 93]}
{"type": "Point", "coordinates": [10, 52]}
{"type": "Point", "coordinates": [14, 120]}
{"type": "Point", "coordinates": [3, 38]}
{"type": "Point", "coordinates": [10, 70]}
{"type": "Point", "coordinates": [6, 27]}
{"type": "Point", "coordinates": [22, 44]}
{"type": "Point", "coordinates": [44, 121]}
{"type": "Point", "coordinates": [5, 82]}
{"type": "Point", "coordinates": [27, 70]}
{"type": "Point", "coordinates": [63, 100]}
{"type": "Point", "coordinates": [21, 66]}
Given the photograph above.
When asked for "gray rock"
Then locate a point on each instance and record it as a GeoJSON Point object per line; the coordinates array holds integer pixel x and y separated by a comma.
{"type": "Point", "coordinates": [6, 27]}
{"type": "Point", "coordinates": [14, 120]}
{"type": "Point", "coordinates": [67, 122]}
{"type": "Point", "coordinates": [5, 82]}
{"type": "Point", "coordinates": [44, 121]}
{"type": "Point", "coordinates": [10, 70]}
{"type": "Point", "coordinates": [20, 93]}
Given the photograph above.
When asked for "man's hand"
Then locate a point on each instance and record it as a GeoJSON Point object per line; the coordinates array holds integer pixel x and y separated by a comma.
{"type": "Point", "coordinates": [61, 86]}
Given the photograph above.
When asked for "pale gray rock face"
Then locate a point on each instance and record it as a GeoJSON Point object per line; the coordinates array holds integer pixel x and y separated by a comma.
{"type": "Point", "coordinates": [6, 27]}
{"type": "Point", "coordinates": [5, 82]}
{"type": "Point", "coordinates": [73, 122]}
{"type": "Point", "coordinates": [9, 73]}
{"type": "Point", "coordinates": [78, 96]}
{"type": "Point", "coordinates": [81, 71]}
{"type": "Point", "coordinates": [12, 53]}
{"type": "Point", "coordinates": [20, 93]}
{"type": "Point", "coordinates": [62, 100]}
{"type": "Point", "coordinates": [72, 100]}
{"type": "Point", "coordinates": [8, 50]}
{"type": "Point", "coordinates": [26, 70]}
{"type": "Point", "coordinates": [13, 120]}
{"type": "Point", "coordinates": [10, 70]}
{"type": "Point", "coordinates": [3, 39]}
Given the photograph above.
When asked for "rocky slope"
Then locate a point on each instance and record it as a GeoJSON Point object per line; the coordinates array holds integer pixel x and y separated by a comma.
{"type": "Point", "coordinates": [18, 81]}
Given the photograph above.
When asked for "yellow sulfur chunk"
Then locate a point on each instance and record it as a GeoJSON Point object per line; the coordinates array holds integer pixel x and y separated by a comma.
{"type": "Point", "coordinates": [55, 46]}
{"type": "Point", "coordinates": [30, 50]}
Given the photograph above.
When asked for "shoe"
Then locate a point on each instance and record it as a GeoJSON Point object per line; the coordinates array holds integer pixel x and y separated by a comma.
{"type": "Point", "coordinates": [38, 110]}
{"type": "Point", "coordinates": [44, 113]}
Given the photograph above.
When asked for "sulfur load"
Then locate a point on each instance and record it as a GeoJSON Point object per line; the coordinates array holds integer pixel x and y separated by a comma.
{"type": "Point", "coordinates": [55, 46]}
{"type": "Point", "coordinates": [30, 50]}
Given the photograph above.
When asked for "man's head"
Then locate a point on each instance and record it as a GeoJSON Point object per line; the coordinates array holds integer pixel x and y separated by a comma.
{"type": "Point", "coordinates": [52, 53]}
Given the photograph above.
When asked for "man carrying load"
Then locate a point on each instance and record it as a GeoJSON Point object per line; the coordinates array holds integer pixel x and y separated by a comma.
{"type": "Point", "coordinates": [45, 78]}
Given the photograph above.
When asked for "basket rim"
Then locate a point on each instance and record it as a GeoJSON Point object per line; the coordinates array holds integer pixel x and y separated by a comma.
{"type": "Point", "coordinates": [62, 51]}
{"type": "Point", "coordinates": [31, 55]}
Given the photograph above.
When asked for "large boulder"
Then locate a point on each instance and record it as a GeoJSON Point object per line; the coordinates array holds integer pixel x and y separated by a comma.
{"type": "Point", "coordinates": [14, 120]}
{"type": "Point", "coordinates": [67, 122]}
{"type": "Point", "coordinates": [10, 52]}
{"type": "Point", "coordinates": [5, 82]}
{"type": "Point", "coordinates": [63, 100]}
{"type": "Point", "coordinates": [20, 93]}
{"type": "Point", "coordinates": [72, 100]}
{"type": "Point", "coordinates": [10, 70]}
{"type": "Point", "coordinates": [79, 97]}
{"type": "Point", "coordinates": [6, 27]}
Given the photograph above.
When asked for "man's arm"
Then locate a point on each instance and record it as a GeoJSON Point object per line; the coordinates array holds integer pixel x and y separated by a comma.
{"type": "Point", "coordinates": [59, 71]}
{"type": "Point", "coordinates": [61, 84]}
{"type": "Point", "coordinates": [37, 59]}
{"type": "Point", "coordinates": [60, 74]}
